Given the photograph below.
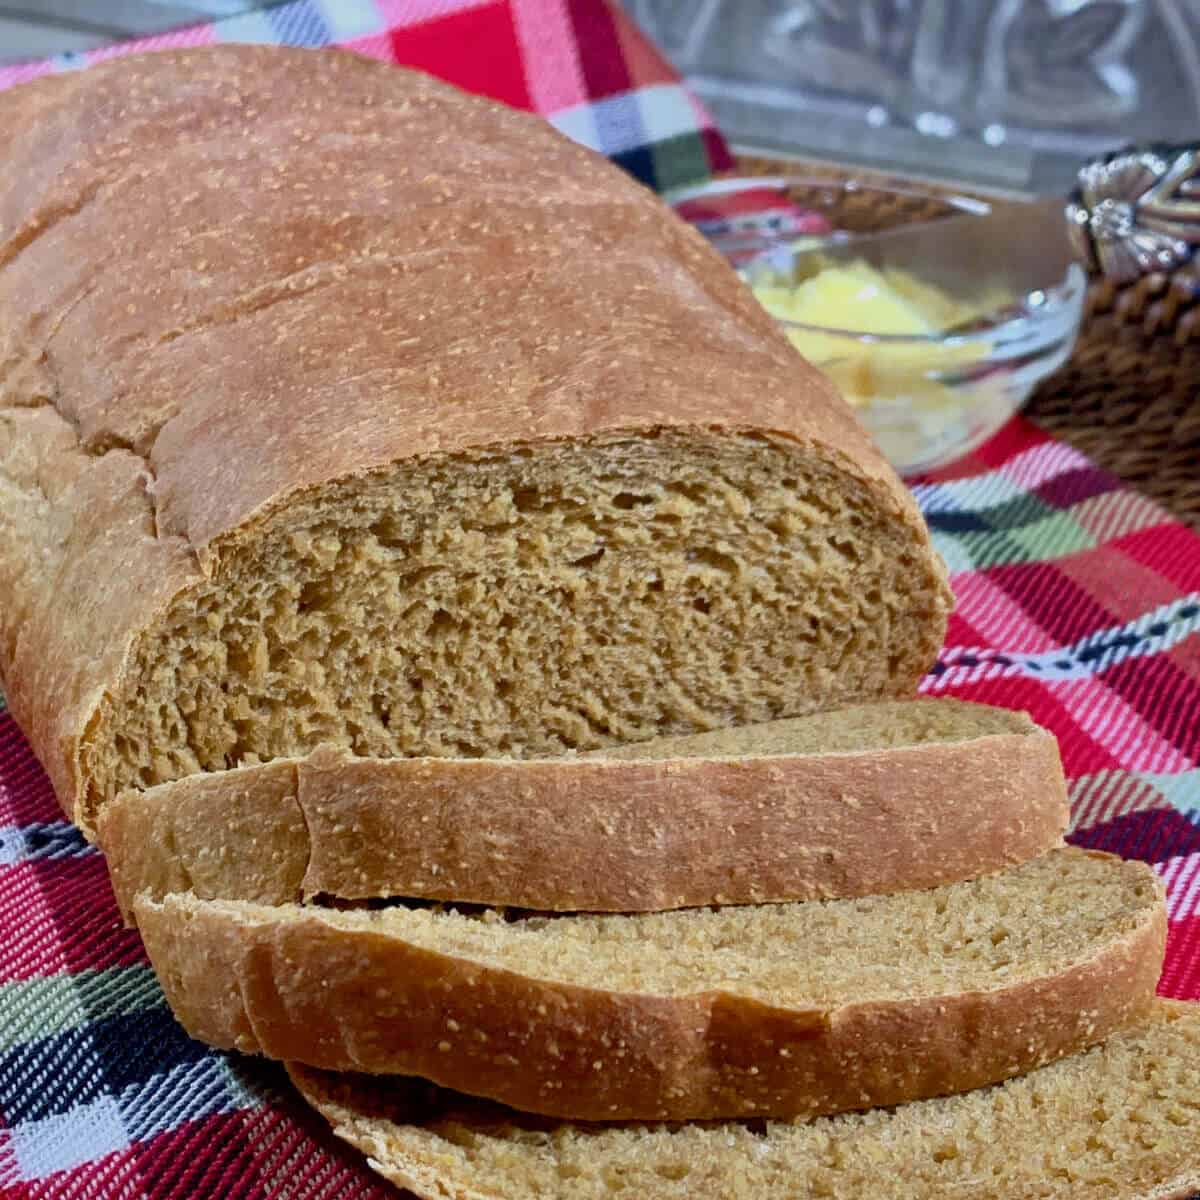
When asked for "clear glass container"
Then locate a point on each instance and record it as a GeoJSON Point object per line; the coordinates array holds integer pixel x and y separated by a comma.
{"type": "Point", "coordinates": [938, 374]}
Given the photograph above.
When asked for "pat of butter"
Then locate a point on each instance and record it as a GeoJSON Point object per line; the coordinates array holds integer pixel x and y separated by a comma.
{"type": "Point", "coordinates": [857, 298]}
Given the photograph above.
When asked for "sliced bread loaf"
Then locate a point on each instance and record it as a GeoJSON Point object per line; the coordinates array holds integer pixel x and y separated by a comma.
{"type": "Point", "coordinates": [1118, 1122]}
{"type": "Point", "coordinates": [866, 800]}
{"type": "Point", "coordinates": [339, 406]}
{"type": "Point", "coordinates": [751, 1011]}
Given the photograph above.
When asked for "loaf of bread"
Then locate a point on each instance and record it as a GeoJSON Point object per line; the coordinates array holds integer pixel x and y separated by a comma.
{"type": "Point", "coordinates": [769, 1010]}
{"type": "Point", "coordinates": [865, 800]}
{"type": "Point", "coordinates": [338, 406]}
{"type": "Point", "coordinates": [399, 506]}
{"type": "Point", "coordinates": [1119, 1122]}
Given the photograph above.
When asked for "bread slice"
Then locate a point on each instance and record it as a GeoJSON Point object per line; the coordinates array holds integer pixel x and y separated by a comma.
{"type": "Point", "coordinates": [865, 800]}
{"type": "Point", "coordinates": [1118, 1122]}
{"type": "Point", "coordinates": [754, 1011]}
{"type": "Point", "coordinates": [337, 405]}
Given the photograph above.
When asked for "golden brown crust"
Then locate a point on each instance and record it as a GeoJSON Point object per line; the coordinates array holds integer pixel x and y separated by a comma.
{"type": "Point", "coordinates": [1044, 1135]}
{"type": "Point", "coordinates": [586, 834]}
{"type": "Point", "coordinates": [338, 242]}
{"type": "Point", "coordinates": [293, 985]}
{"type": "Point", "coordinates": [246, 840]}
{"type": "Point", "coordinates": [210, 263]}
{"type": "Point", "coordinates": [81, 567]}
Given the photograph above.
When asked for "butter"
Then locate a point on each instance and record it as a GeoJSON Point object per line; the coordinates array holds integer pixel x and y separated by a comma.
{"type": "Point", "coordinates": [854, 297]}
{"type": "Point", "coordinates": [857, 298]}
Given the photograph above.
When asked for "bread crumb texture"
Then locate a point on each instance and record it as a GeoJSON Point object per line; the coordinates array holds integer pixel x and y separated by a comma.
{"type": "Point", "coordinates": [889, 725]}
{"type": "Point", "coordinates": [1030, 921]}
{"type": "Point", "coordinates": [569, 598]}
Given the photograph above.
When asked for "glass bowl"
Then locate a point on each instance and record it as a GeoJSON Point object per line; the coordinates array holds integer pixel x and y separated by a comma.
{"type": "Point", "coordinates": [928, 397]}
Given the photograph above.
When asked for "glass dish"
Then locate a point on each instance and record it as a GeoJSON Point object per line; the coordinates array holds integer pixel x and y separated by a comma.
{"type": "Point", "coordinates": [927, 397]}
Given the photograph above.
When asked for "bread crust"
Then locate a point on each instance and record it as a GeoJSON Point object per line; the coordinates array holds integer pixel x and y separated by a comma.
{"type": "Point", "coordinates": [412, 1134]}
{"type": "Point", "coordinates": [294, 985]}
{"type": "Point", "coordinates": [594, 835]}
{"type": "Point", "coordinates": [210, 308]}
{"type": "Point", "coordinates": [83, 569]}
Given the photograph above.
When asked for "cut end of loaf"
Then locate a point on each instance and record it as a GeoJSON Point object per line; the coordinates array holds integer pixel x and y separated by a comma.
{"type": "Point", "coordinates": [556, 597]}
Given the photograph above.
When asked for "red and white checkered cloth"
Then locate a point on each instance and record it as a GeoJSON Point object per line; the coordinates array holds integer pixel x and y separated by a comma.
{"type": "Point", "coordinates": [1077, 600]}
{"type": "Point", "coordinates": [582, 64]}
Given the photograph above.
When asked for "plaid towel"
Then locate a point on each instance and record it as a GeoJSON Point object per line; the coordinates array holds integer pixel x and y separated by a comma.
{"type": "Point", "coordinates": [581, 63]}
{"type": "Point", "coordinates": [1077, 600]}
